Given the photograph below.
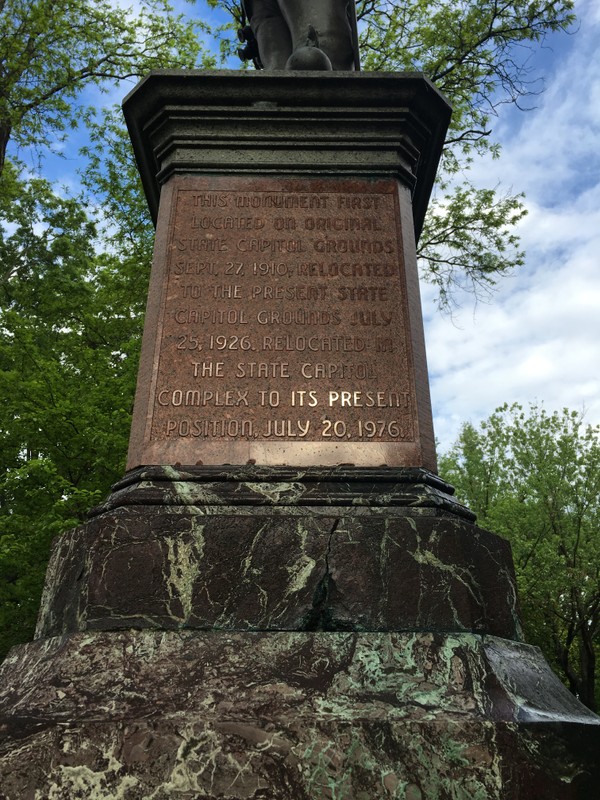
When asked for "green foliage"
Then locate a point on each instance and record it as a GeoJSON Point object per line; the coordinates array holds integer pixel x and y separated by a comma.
{"type": "Point", "coordinates": [73, 275]}
{"type": "Point", "coordinates": [475, 51]}
{"type": "Point", "coordinates": [468, 240]}
{"type": "Point", "coordinates": [36, 504]}
{"type": "Point", "coordinates": [111, 179]}
{"type": "Point", "coordinates": [51, 49]}
{"type": "Point", "coordinates": [70, 328]}
{"type": "Point", "coordinates": [534, 478]}
{"type": "Point", "coordinates": [226, 33]}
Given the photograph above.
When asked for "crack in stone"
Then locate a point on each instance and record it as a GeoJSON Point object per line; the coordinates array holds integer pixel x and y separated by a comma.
{"type": "Point", "coordinates": [320, 617]}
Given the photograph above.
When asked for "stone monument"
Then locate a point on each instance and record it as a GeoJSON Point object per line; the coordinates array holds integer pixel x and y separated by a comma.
{"type": "Point", "coordinates": [281, 599]}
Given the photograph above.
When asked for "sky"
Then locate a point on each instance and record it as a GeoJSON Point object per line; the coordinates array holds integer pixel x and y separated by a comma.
{"type": "Point", "coordinates": [537, 338]}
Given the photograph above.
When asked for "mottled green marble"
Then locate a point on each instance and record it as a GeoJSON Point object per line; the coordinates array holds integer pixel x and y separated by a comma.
{"type": "Point", "coordinates": [240, 568]}
{"type": "Point", "coordinates": [141, 714]}
{"type": "Point", "coordinates": [233, 633]}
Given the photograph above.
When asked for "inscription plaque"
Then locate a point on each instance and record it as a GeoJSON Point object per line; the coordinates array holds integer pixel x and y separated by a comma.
{"type": "Point", "coordinates": [279, 328]}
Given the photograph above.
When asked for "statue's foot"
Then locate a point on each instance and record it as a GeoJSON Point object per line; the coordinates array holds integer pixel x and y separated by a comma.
{"type": "Point", "coordinates": [309, 57]}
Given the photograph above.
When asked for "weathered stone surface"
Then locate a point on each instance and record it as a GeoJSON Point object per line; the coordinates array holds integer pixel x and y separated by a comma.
{"type": "Point", "coordinates": [231, 567]}
{"type": "Point", "coordinates": [141, 714]}
{"type": "Point", "coordinates": [284, 324]}
{"type": "Point", "coordinates": [186, 122]}
{"type": "Point", "coordinates": [418, 491]}
{"type": "Point", "coordinates": [283, 327]}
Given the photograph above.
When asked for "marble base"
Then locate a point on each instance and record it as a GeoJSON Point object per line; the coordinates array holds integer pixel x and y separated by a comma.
{"type": "Point", "coordinates": [268, 550]}
{"type": "Point", "coordinates": [304, 716]}
{"type": "Point", "coordinates": [321, 634]}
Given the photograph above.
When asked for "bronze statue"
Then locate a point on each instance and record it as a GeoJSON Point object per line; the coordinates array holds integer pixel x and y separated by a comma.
{"type": "Point", "coordinates": [300, 34]}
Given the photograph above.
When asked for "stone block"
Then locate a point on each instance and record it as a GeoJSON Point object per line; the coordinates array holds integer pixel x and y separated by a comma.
{"type": "Point", "coordinates": [290, 716]}
{"type": "Point", "coordinates": [191, 559]}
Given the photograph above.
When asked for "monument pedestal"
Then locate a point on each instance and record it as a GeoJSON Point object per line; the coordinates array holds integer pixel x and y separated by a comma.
{"type": "Point", "coordinates": [276, 549]}
{"type": "Point", "coordinates": [281, 599]}
{"type": "Point", "coordinates": [284, 323]}
{"type": "Point", "coordinates": [288, 716]}
{"type": "Point", "coordinates": [277, 633]}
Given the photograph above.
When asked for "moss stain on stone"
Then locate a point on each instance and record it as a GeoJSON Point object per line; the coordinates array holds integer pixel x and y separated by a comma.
{"type": "Point", "coordinates": [184, 560]}
{"type": "Point", "coordinates": [81, 781]}
{"type": "Point", "coordinates": [276, 492]}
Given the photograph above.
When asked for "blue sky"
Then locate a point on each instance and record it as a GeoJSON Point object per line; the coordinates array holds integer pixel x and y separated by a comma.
{"type": "Point", "coordinates": [537, 339]}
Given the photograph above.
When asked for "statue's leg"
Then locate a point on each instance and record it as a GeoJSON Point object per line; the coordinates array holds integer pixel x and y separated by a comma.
{"type": "Point", "coordinates": [330, 20]}
{"type": "Point", "coordinates": [272, 34]}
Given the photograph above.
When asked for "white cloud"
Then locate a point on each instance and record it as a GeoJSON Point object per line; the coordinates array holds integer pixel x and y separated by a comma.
{"type": "Point", "coordinates": [539, 337]}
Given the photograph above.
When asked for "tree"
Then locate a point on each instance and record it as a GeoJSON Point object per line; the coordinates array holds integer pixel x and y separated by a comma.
{"type": "Point", "coordinates": [73, 277]}
{"type": "Point", "coordinates": [70, 329]}
{"type": "Point", "coordinates": [475, 51]}
{"type": "Point", "coordinates": [534, 478]}
{"type": "Point", "coordinates": [51, 49]}
{"type": "Point", "coordinates": [111, 181]}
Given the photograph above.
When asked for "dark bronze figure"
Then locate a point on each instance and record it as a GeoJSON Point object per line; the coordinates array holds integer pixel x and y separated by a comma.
{"type": "Point", "coordinates": [300, 34]}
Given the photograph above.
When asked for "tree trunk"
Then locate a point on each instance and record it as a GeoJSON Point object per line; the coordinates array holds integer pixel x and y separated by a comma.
{"type": "Point", "coordinates": [587, 656]}
{"type": "Point", "coordinates": [5, 131]}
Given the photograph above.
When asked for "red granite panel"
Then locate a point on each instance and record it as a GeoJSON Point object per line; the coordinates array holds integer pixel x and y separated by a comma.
{"type": "Point", "coordinates": [279, 328]}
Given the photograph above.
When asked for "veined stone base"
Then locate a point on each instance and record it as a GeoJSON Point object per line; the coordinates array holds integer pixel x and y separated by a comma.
{"type": "Point", "coordinates": [252, 549]}
{"type": "Point", "coordinates": [304, 716]}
